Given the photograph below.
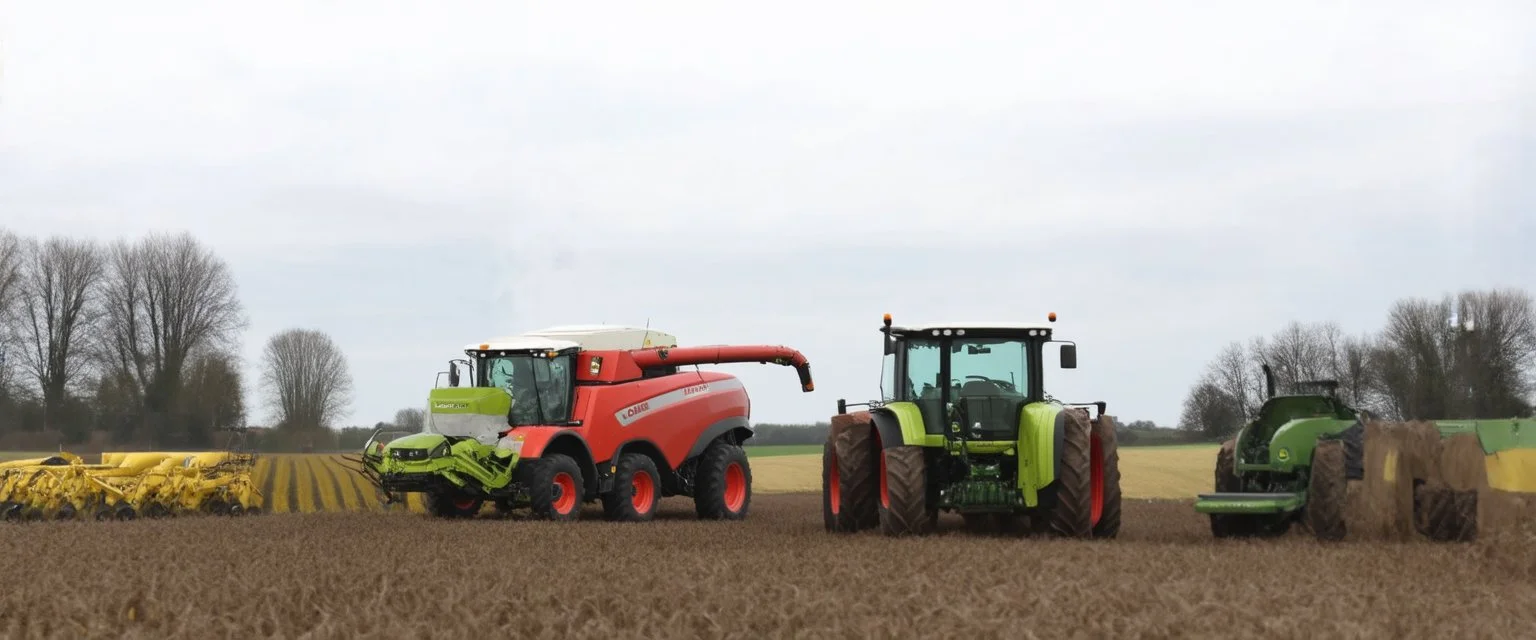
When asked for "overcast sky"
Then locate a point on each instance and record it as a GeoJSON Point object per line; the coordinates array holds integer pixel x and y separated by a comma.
{"type": "Point", "coordinates": [1167, 176]}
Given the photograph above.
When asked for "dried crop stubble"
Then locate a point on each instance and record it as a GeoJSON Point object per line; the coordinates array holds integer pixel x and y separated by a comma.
{"type": "Point", "coordinates": [779, 574]}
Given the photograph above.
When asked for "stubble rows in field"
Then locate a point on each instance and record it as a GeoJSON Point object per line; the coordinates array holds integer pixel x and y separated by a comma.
{"type": "Point", "coordinates": [363, 575]}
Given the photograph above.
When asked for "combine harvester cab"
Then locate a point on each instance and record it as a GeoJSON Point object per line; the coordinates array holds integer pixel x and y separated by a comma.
{"type": "Point", "coordinates": [554, 419]}
{"type": "Point", "coordinates": [965, 425]}
{"type": "Point", "coordinates": [1296, 462]}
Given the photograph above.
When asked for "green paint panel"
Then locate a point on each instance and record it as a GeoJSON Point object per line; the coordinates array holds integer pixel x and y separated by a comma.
{"type": "Point", "coordinates": [1037, 448]}
{"type": "Point", "coordinates": [1495, 435]}
{"type": "Point", "coordinates": [1292, 444]}
{"type": "Point", "coordinates": [913, 431]}
{"type": "Point", "coordinates": [469, 400]}
{"type": "Point", "coordinates": [1256, 503]}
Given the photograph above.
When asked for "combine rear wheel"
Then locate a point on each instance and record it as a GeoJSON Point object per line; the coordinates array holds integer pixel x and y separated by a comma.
{"type": "Point", "coordinates": [554, 485]}
{"type": "Point", "coordinates": [1327, 491]}
{"type": "Point", "coordinates": [635, 490]}
{"type": "Point", "coordinates": [723, 485]}
{"type": "Point", "coordinates": [903, 505]}
{"type": "Point", "coordinates": [1106, 479]}
{"type": "Point", "coordinates": [1072, 516]}
{"type": "Point", "coordinates": [858, 449]}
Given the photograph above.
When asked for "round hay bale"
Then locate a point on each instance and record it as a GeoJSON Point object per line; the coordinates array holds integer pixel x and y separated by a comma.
{"type": "Point", "coordinates": [1387, 494]}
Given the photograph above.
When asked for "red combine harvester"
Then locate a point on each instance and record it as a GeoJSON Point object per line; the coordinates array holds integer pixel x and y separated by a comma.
{"type": "Point", "coordinates": [555, 418]}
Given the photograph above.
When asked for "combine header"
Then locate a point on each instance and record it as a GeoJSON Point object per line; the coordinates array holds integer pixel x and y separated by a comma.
{"type": "Point", "coordinates": [556, 418]}
{"type": "Point", "coordinates": [965, 425]}
{"type": "Point", "coordinates": [1298, 459]}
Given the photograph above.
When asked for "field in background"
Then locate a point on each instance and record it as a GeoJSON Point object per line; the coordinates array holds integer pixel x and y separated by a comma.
{"type": "Point", "coordinates": [308, 483]}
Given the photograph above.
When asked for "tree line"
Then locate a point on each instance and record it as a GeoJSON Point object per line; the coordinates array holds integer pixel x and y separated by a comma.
{"type": "Point", "coordinates": [1469, 355]}
{"type": "Point", "coordinates": [135, 343]}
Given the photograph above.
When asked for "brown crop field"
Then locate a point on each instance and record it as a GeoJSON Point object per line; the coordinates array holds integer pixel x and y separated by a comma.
{"type": "Point", "coordinates": [375, 575]}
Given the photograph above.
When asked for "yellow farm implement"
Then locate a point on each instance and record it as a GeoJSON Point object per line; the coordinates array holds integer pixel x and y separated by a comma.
{"type": "Point", "coordinates": [124, 486]}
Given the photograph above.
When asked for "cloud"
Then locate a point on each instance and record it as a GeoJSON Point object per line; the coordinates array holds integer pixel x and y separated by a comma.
{"type": "Point", "coordinates": [412, 178]}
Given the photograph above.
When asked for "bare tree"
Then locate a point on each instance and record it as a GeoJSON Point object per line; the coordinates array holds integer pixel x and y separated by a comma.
{"type": "Point", "coordinates": [58, 310]}
{"type": "Point", "coordinates": [10, 281]}
{"type": "Point", "coordinates": [1210, 411]}
{"type": "Point", "coordinates": [213, 390]}
{"type": "Point", "coordinates": [167, 299]}
{"type": "Point", "coordinates": [306, 378]}
{"type": "Point", "coordinates": [411, 419]}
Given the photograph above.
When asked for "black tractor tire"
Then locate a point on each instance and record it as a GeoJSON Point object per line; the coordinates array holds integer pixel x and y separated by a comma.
{"type": "Point", "coordinates": [1108, 524]}
{"type": "Point", "coordinates": [1445, 515]}
{"type": "Point", "coordinates": [903, 507]}
{"type": "Point", "coordinates": [555, 487]}
{"type": "Point", "coordinates": [1354, 452]}
{"type": "Point", "coordinates": [636, 490]}
{"type": "Point", "coordinates": [1327, 492]}
{"type": "Point", "coordinates": [858, 476]}
{"type": "Point", "coordinates": [448, 505]}
{"type": "Point", "coordinates": [723, 483]}
{"type": "Point", "coordinates": [1072, 515]}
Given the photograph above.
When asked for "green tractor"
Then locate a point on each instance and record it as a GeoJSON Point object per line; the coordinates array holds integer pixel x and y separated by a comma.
{"type": "Point", "coordinates": [1295, 461]}
{"type": "Point", "coordinates": [965, 425]}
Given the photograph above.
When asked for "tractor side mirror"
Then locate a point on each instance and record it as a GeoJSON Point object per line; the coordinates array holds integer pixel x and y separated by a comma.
{"type": "Point", "coordinates": [453, 374]}
{"type": "Point", "coordinates": [1069, 356]}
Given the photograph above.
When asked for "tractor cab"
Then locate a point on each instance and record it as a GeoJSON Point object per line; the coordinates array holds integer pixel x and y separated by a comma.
{"type": "Point", "coordinates": [976, 376]}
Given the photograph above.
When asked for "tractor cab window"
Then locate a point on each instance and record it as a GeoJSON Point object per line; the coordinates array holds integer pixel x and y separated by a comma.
{"type": "Point", "coordinates": [540, 387]}
{"type": "Point", "coordinates": [922, 385]}
{"type": "Point", "coordinates": [989, 382]}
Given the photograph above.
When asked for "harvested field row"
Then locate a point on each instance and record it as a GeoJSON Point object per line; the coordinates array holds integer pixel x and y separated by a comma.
{"type": "Point", "coordinates": [374, 575]}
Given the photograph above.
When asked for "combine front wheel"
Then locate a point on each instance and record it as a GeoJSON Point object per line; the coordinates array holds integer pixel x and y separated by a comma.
{"type": "Point", "coordinates": [635, 490]}
{"type": "Point", "coordinates": [444, 505]}
{"type": "Point", "coordinates": [724, 483]}
{"type": "Point", "coordinates": [555, 488]}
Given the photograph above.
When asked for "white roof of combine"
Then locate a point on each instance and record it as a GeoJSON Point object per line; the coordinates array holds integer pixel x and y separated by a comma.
{"type": "Point", "coordinates": [593, 337]}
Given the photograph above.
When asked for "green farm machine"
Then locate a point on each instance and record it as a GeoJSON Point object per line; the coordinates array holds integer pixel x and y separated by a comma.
{"type": "Point", "coordinates": [965, 425]}
{"type": "Point", "coordinates": [1298, 459]}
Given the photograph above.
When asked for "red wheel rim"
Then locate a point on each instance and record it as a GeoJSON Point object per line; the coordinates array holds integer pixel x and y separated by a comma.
{"type": "Point", "coordinates": [464, 504]}
{"type": "Point", "coordinates": [644, 492]}
{"type": "Point", "coordinates": [735, 487]}
{"type": "Point", "coordinates": [567, 499]}
{"type": "Point", "coordinates": [835, 491]}
{"type": "Point", "coordinates": [1096, 478]}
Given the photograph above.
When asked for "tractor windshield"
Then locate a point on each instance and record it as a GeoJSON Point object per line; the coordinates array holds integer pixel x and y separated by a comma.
{"type": "Point", "coordinates": [989, 376]}
{"type": "Point", "coordinates": [540, 387]}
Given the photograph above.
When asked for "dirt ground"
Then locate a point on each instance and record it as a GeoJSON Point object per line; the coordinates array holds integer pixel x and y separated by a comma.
{"type": "Point", "coordinates": [374, 575]}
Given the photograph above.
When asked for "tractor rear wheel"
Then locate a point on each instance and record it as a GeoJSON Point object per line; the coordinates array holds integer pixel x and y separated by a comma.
{"type": "Point", "coordinates": [555, 486]}
{"type": "Point", "coordinates": [1072, 516]}
{"type": "Point", "coordinates": [857, 449]}
{"type": "Point", "coordinates": [1106, 479]}
{"type": "Point", "coordinates": [636, 489]}
{"type": "Point", "coordinates": [1327, 491]}
{"type": "Point", "coordinates": [903, 506]}
{"type": "Point", "coordinates": [831, 498]}
{"type": "Point", "coordinates": [723, 483]}
{"type": "Point", "coordinates": [447, 505]}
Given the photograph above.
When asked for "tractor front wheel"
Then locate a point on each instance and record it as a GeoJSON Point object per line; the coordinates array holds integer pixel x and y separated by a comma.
{"type": "Point", "coordinates": [903, 505]}
{"type": "Point", "coordinates": [1327, 491]}
{"type": "Point", "coordinates": [1072, 516]}
{"type": "Point", "coordinates": [636, 488]}
{"type": "Point", "coordinates": [723, 484]}
{"type": "Point", "coordinates": [555, 487]}
{"type": "Point", "coordinates": [858, 448]}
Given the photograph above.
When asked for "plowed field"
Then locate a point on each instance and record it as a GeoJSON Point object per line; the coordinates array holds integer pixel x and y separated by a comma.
{"type": "Point", "coordinates": [397, 575]}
